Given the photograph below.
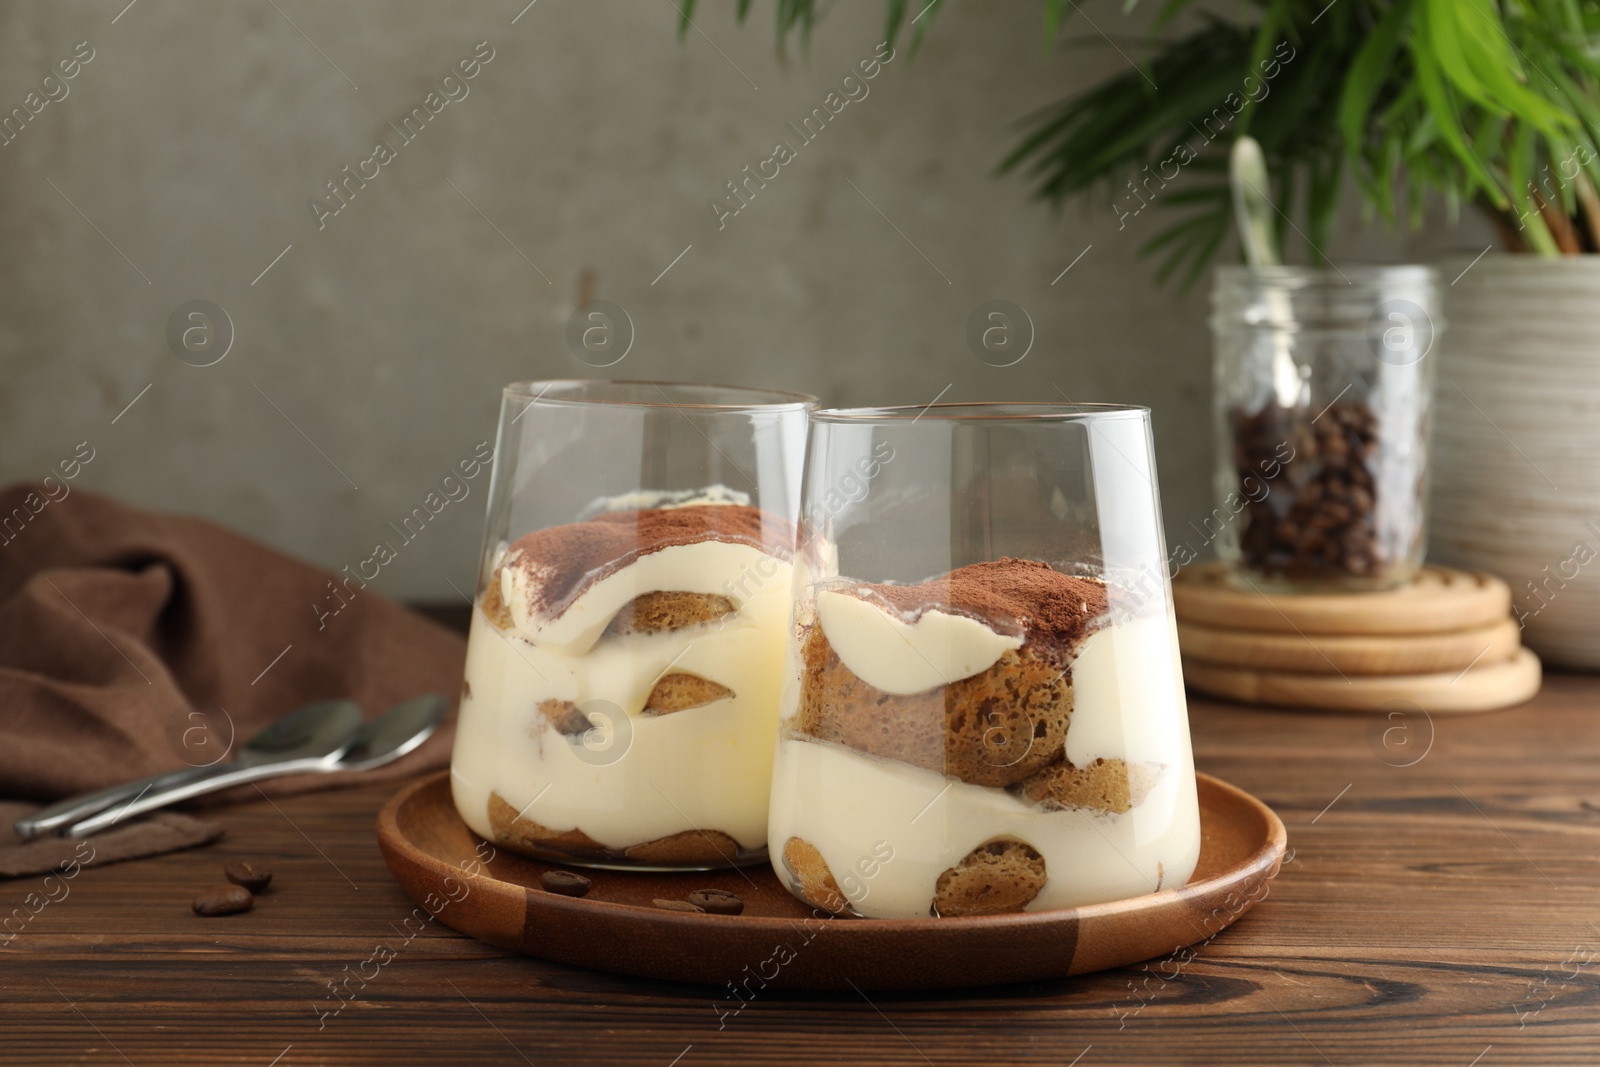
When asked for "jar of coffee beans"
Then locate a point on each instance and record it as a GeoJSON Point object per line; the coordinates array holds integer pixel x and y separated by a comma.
{"type": "Point", "coordinates": [1323, 387]}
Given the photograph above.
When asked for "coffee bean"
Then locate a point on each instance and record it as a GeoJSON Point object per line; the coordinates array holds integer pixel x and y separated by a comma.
{"type": "Point", "coordinates": [1318, 520]}
{"type": "Point", "coordinates": [1356, 536]}
{"type": "Point", "coordinates": [248, 875]}
{"type": "Point", "coordinates": [566, 883]}
{"type": "Point", "coordinates": [224, 900]}
{"type": "Point", "coordinates": [716, 901]}
{"type": "Point", "coordinates": [676, 905]}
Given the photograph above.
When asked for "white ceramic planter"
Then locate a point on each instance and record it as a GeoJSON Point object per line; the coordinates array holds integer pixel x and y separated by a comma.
{"type": "Point", "coordinates": [1516, 454]}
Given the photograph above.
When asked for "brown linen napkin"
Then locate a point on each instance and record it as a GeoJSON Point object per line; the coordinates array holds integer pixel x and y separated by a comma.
{"type": "Point", "coordinates": [163, 831]}
{"type": "Point", "coordinates": [130, 641]}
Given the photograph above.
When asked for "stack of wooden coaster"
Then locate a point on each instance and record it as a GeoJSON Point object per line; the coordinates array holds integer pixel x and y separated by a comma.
{"type": "Point", "coordinates": [1445, 642]}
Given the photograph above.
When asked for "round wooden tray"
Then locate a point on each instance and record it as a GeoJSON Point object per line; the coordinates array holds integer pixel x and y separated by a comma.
{"type": "Point", "coordinates": [1438, 600]}
{"type": "Point", "coordinates": [779, 943]}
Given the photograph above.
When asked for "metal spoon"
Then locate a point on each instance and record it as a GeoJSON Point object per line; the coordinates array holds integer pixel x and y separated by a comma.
{"type": "Point", "coordinates": [276, 742]}
{"type": "Point", "coordinates": [1253, 212]}
{"type": "Point", "coordinates": [388, 737]}
{"type": "Point", "coordinates": [396, 732]}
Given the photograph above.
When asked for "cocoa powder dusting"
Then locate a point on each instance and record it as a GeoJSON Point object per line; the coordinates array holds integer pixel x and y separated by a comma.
{"type": "Point", "coordinates": [563, 561]}
{"type": "Point", "coordinates": [1010, 596]}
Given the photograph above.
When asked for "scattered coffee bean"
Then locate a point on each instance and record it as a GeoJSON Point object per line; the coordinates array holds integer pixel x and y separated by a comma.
{"type": "Point", "coordinates": [248, 875]}
{"type": "Point", "coordinates": [224, 900]}
{"type": "Point", "coordinates": [716, 901]}
{"type": "Point", "coordinates": [676, 905]}
{"type": "Point", "coordinates": [565, 883]}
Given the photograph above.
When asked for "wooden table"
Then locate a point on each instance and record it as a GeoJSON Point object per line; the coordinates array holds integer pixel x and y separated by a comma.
{"type": "Point", "coordinates": [1444, 913]}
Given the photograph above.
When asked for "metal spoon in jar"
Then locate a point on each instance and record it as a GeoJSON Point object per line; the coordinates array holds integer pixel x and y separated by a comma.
{"type": "Point", "coordinates": [385, 739]}
{"type": "Point", "coordinates": [1253, 212]}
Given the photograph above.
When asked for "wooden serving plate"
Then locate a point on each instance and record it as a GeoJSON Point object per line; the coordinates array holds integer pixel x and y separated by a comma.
{"type": "Point", "coordinates": [780, 943]}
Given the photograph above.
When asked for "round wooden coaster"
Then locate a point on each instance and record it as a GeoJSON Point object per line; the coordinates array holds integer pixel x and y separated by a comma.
{"type": "Point", "coordinates": [1482, 688]}
{"type": "Point", "coordinates": [1334, 654]}
{"type": "Point", "coordinates": [1438, 600]}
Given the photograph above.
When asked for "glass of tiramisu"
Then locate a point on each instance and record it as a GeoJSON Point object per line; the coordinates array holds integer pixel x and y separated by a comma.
{"type": "Point", "coordinates": [624, 663]}
{"type": "Point", "coordinates": [983, 710]}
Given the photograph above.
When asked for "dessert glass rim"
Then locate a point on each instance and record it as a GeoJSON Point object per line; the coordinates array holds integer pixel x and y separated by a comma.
{"type": "Point", "coordinates": [629, 392]}
{"type": "Point", "coordinates": [1004, 410]}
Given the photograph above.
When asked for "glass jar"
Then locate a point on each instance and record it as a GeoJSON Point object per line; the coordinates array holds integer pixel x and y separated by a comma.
{"type": "Point", "coordinates": [983, 708]}
{"type": "Point", "coordinates": [1323, 400]}
{"type": "Point", "coordinates": [623, 666]}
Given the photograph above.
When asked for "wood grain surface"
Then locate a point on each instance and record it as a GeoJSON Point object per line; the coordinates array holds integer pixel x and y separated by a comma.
{"type": "Point", "coordinates": [1438, 600]}
{"type": "Point", "coordinates": [1481, 687]}
{"type": "Point", "coordinates": [1443, 912]}
{"type": "Point", "coordinates": [1335, 654]}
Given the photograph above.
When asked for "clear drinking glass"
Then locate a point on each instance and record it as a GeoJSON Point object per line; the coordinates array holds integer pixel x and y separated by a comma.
{"type": "Point", "coordinates": [623, 666]}
{"type": "Point", "coordinates": [983, 709]}
{"type": "Point", "coordinates": [1323, 410]}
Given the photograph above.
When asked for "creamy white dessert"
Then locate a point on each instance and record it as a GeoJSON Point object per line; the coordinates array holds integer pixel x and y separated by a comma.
{"type": "Point", "coordinates": [897, 656]}
{"type": "Point", "coordinates": [990, 741]}
{"type": "Point", "coordinates": [622, 684]}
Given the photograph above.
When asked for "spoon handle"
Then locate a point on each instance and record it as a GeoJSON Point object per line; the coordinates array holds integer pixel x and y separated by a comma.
{"type": "Point", "coordinates": [61, 813]}
{"type": "Point", "coordinates": [1252, 210]}
{"type": "Point", "coordinates": [213, 780]}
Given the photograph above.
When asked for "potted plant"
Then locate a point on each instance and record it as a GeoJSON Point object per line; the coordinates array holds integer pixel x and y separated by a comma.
{"type": "Point", "coordinates": [1489, 104]}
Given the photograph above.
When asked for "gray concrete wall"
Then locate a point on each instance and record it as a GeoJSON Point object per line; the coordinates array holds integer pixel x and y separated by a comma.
{"type": "Point", "coordinates": [367, 361]}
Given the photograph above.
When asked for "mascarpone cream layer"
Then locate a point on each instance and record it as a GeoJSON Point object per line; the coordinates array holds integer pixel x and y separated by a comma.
{"type": "Point", "coordinates": [853, 805]}
{"type": "Point", "coordinates": [1128, 703]}
{"type": "Point", "coordinates": [890, 654]}
{"type": "Point", "coordinates": [641, 777]}
{"type": "Point", "coordinates": [720, 568]}
{"type": "Point", "coordinates": [1127, 696]}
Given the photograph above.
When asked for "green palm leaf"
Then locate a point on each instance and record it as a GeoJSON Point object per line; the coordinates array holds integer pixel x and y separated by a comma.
{"type": "Point", "coordinates": [1490, 102]}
